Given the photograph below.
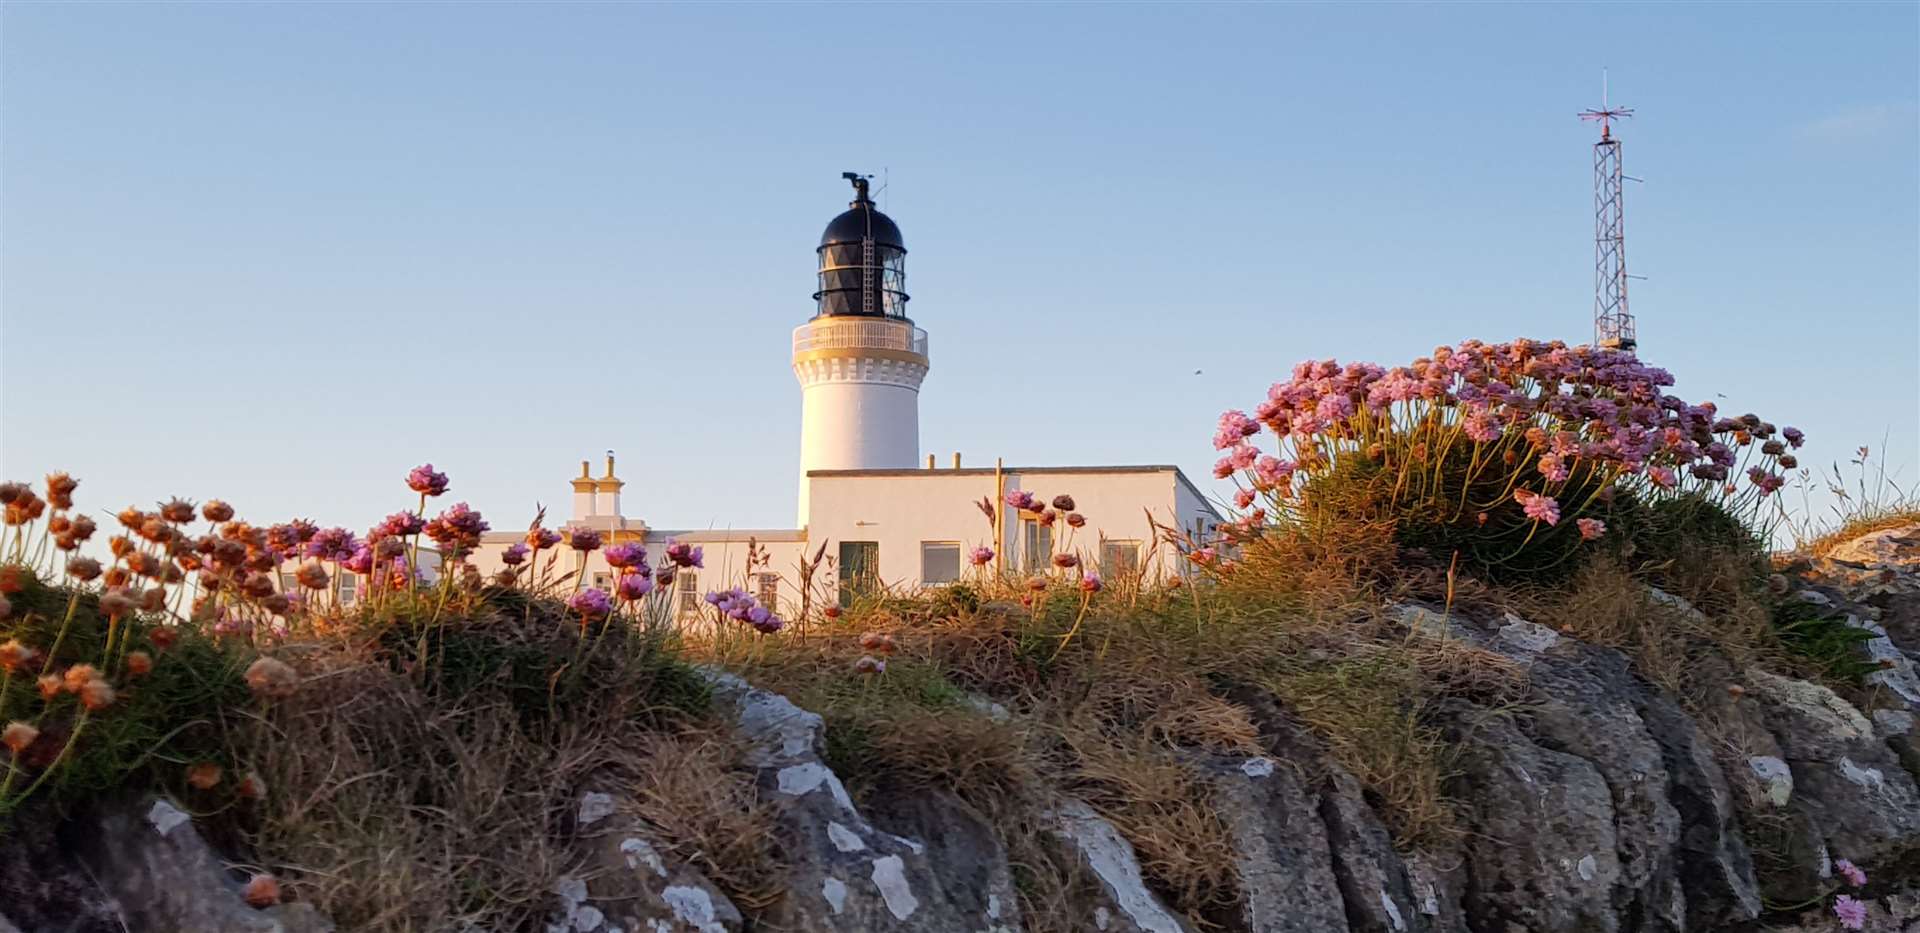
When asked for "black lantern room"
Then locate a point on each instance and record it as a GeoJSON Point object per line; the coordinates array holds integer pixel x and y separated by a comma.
{"type": "Point", "coordinates": [863, 261]}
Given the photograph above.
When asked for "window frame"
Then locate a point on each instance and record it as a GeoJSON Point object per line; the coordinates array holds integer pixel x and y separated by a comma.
{"type": "Point", "coordinates": [958, 562]}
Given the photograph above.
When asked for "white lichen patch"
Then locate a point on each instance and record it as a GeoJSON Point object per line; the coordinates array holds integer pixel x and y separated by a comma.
{"type": "Point", "coordinates": [693, 907]}
{"type": "Point", "coordinates": [165, 817]}
{"type": "Point", "coordinates": [807, 777]}
{"type": "Point", "coordinates": [1587, 867]}
{"type": "Point", "coordinates": [913, 844]}
{"type": "Point", "coordinates": [1393, 911]}
{"type": "Point", "coordinates": [641, 852]}
{"type": "Point", "coordinates": [1775, 776]}
{"type": "Point", "coordinates": [1102, 918]}
{"type": "Point", "coordinates": [1527, 638]}
{"type": "Point", "coordinates": [776, 730]}
{"type": "Point", "coordinates": [835, 892]}
{"type": "Point", "coordinates": [594, 807]}
{"type": "Point", "coordinates": [1113, 862]}
{"type": "Point", "coordinates": [844, 839]}
{"type": "Point", "coordinates": [1865, 777]}
{"type": "Point", "coordinates": [1257, 767]}
{"type": "Point", "coordinates": [890, 876]}
{"type": "Point", "coordinates": [1888, 723]}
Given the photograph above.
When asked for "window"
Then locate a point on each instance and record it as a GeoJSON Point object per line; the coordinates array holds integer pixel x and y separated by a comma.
{"type": "Point", "coordinates": [349, 585]}
{"type": "Point", "coordinates": [939, 562]}
{"type": "Point", "coordinates": [859, 569]}
{"type": "Point", "coordinates": [687, 584]}
{"type": "Point", "coordinates": [603, 582]}
{"type": "Point", "coordinates": [769, 591]}
{"type": "Point", "coordinates": [1119, 558]}
{"type": "Point", "coordinates": [1036, 545]}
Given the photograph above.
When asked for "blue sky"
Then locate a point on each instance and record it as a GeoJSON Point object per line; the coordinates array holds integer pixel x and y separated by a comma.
{"type": "Point", "coordinates": [281, 253]}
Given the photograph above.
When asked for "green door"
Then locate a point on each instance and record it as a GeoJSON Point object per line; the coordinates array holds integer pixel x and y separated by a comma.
{"type": "Point", "coordinates": [859, 570]}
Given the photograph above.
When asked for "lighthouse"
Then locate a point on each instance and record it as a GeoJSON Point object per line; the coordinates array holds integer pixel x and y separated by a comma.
{"type": "Point", "coordinates": [860, 360]}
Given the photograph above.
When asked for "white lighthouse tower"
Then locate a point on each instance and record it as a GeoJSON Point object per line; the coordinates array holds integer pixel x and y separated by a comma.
{"type": "Point", "coordinates": [860, 360]}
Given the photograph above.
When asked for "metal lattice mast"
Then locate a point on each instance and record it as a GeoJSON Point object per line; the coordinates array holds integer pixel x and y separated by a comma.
{"type": "Point", "coordinates": [1612, 322]}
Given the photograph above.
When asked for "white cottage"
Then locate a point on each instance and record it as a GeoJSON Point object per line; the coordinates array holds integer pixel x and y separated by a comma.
{"type": "Point", "coordinates": [865, 499]}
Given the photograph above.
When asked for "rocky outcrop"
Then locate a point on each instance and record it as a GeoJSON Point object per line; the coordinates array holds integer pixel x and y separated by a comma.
{"type": "Point", "coordinates": [130, 863]}
{"type": "Point", "coordinates": [847, 874]}
{"type": "Point", "coordinates": [1590, 801]}
{"type": "Point", "coordinates": [623, 884]}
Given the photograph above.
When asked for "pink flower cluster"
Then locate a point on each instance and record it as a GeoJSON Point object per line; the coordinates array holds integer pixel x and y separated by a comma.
{"type": "Point", "coordinates": [739, 605]}
{"type": "Point", "coordinates": [1554, 411]}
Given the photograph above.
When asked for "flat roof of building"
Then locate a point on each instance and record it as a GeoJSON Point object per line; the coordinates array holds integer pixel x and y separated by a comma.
{"type": "Point", "coordinates": [989, 471]}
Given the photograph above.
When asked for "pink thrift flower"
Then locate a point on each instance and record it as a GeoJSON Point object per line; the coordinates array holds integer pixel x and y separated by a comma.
{"type": "Point", "coordinates": [1591, 528]}
{"type": "Point", "coordinates": [633, 587]}
{"type": "Point", "coordinates": [1090, 581]}
{"type": "Point", "coordinates": [591, 603]}
{"type": "Point", "coordinates": [514, 555]}
{"type": "Point", "coordinates": [1851, 872]}
{"type": "Point", "coordinates": [583, 539]}
{"type": "Point", "coordinates": [1852, 913]}
{"type": "Point", "coordinates": [1662, 477]}
{"type": "Point", "coordinates": [422, 479]}
{"type": "Point", "coordinates": [625, 555]}
{"type": "Point", "coordinates": [1022, 500]}
{"type": "Point", "coordinates": [980, 556]}
{"type": "Point", "coordinates": [1538, 507]}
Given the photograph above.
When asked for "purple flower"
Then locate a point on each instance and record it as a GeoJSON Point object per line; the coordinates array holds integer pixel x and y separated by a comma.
{"type": "Point", "coordinates": [1851, 872]}
{"type": "Point", "coordinates": [1768, 482]}
{"type": "Point", "coordinates": [980, 556]}
{"type": "Point", "coordinates": [583, 539]}
{"type": "Point", "coordinates": [1538, 507]}
{"type": "Point", "coordinates": [1794, 436]}
{"type": "Point", "coordinates": [1023, 500]}
{"type": "Point", "coordinates": [332, 544]}
{"type": "Point", "coordinates": [685, 555]}
{"type": "Point", "coordinates": [1089, 581]}
{"type": "Point", "coordinates": [401, 525]}
{"type": "Point", "coordinates": [590, 603]}
{"type": "Point", "coordinates": [1591, 528]}
{"type": "Point", "coordinates": [540, 539]}
{"type": "Point", "coordinates": [423, 480]}
{"type": "Point", "coordinates": [514, 555]}
{"type": "Point", "coordinates": [457, 528]}
{"type": "Point", "coordinates": [1662, 477]}
{"type": "Point", "coordinates": [630, 554]}
{"type": "Point", "coordinates": [1852, 913]}
{"type": "Point", "coordinates": [361, 561]}
{"type": "Point", "coordinates": [633, 586]}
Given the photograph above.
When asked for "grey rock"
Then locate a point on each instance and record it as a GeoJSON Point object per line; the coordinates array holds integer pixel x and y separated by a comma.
{"type": "Point", "coordinates": [1545, 855]}
{"type": "Point", "coordinates": [844, 873]}
{"type": "Point", "coordinates": [973, 863]}
{"type": "Point", "coordinates": [1125, 904]}
{"type": "Point", "coordinates": [1856, 798]}
{"type": "Point", "coordinates": [1373, 881]}
{"type": "Point", "coordinates": [1587, 705]}
{"type": "Point", "coordinates": [1889, 547]}
{"type": "Point", "coordinates": [624, 883]}
{"type": "Point", "coordinates": [1715, 863]}
{"type": "Point", "coordinates": [148, 858]}
{"type": "Point", "coordinates": [1280, 843]}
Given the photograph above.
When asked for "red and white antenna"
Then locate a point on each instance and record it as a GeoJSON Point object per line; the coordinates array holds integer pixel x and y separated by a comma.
{"type": "Point", "coordinates": [1612, 323]}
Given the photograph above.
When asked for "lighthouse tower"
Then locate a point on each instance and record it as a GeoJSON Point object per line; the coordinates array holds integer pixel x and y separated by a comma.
{"type": "Point", "coordinates": [860, 360]}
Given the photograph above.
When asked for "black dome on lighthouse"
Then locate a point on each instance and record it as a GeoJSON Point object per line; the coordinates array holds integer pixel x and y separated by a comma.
{"type": "Point", "coordinates": [862, 220]}
{"type": "Point", "coordinates": [863, 261]}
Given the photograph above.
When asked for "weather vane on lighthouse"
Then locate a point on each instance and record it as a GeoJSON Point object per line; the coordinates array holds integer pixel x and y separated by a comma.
{"type": "Point", "coordinates": [1613, 325]}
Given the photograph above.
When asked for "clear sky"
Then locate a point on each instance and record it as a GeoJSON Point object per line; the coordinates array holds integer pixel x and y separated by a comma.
{"type": "Point", "coordinates": [280, 253]}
